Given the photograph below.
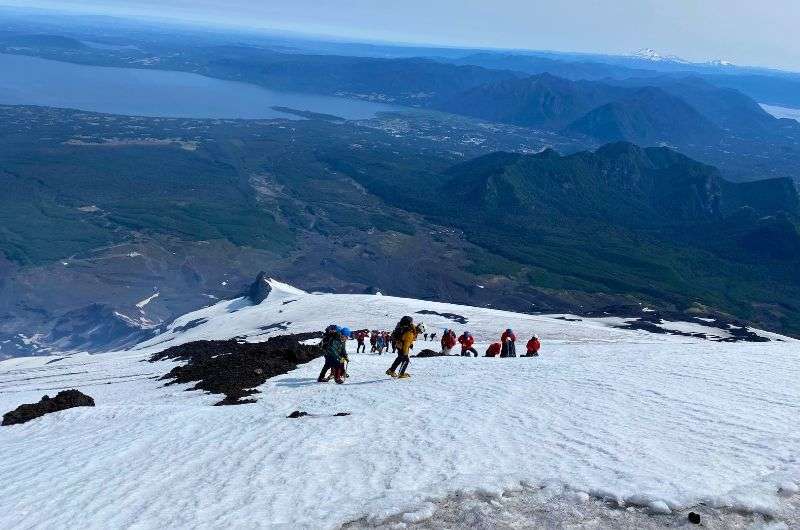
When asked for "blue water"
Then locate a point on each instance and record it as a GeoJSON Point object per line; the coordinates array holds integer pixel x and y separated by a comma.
{"type": "Point", "coordinates": [129, 91]}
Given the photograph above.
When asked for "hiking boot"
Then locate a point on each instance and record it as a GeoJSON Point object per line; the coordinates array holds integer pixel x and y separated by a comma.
{"type": "Point", "coordinates": [404, 376]}
{"type": "Point", "coordinates": [391, 373]}
{"type": "Point", "coordinates": [339, 381]}
{"type": "Point", "coordinates": [323, 379]}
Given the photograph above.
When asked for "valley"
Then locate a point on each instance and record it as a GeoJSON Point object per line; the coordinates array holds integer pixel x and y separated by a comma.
{"type": "Point", "coordinates": [115, 209]}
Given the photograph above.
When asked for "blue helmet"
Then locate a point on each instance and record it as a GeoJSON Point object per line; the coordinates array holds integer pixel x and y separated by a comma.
{"type": "Point", "coordinates": [346, 332]}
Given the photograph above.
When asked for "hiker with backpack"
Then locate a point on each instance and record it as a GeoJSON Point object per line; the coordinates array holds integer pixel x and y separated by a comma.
{"type": "Point", "coordinates": [334, 349]}
{"type": "Point", "coordinates": [361, 336]}
{"type": "Point", "coordinates": [403, 337]}
{"type": "Point", "coordinates": [533, 346]}
{"type": "Point", "coordinates": [467, 340]}
{"type": "Point", "coordinates": [379, 343]}
{"type": "Point", "coordinates": [508, 341]}
{"type": "Point", "coordinates": [448, 341]}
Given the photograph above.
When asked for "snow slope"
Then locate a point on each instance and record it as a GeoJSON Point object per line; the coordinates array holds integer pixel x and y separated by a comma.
{"type": "Point", "coordinates": [291, 310]}
{"type": "Point", "coordinates": [651, 420]}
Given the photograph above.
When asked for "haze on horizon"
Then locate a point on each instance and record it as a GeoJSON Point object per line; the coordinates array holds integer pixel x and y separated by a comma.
{"type": "Point", "coordinates": [741, 31]}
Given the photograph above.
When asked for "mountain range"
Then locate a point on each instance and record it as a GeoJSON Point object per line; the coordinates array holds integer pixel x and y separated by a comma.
{"type": "Point", "coordinates": [664, 188]}
{"type": "Point", "coordinates": [648, 111]}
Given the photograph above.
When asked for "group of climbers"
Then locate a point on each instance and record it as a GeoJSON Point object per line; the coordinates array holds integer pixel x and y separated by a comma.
{"type": "Point", "coordinates": [432, 336]}
{"type": "Point", "coordinates": [507, 347]}
{"type": "Point", "coordinates": [402, 340]}
{"type": "Point", "coordinates": [379, 341]}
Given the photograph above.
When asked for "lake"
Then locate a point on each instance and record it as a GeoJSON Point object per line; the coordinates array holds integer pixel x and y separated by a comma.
{"type": "Point", "coordinates": [782, 112]}
{"type": "Point", "coordinates": [130, 91]}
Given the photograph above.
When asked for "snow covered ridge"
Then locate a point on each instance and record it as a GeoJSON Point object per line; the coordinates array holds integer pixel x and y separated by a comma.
{"type": "Point", "coordinates": [291, 310]}
{"type": "Point", "coordinates": [654, 424]}
{"type": "Point", "coordinates": [649, 54]}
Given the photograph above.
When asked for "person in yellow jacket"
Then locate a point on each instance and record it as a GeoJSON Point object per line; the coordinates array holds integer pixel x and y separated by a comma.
{"type": "Point", "coordinates": [404, 336]}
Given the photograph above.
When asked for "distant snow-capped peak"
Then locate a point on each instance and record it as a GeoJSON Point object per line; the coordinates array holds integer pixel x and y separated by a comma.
{"type": "Point", "coordinates": [720, 62]}
{"type": "Point", "coordinates": [649, 54]}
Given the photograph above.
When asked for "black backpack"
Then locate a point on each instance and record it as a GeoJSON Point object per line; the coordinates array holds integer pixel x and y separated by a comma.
{"type": "Point", "coordinates": [404, 325]}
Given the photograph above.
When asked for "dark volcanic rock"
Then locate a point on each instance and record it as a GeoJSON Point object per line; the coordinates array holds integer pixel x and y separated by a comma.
{"type": "Point", "coordinates": [66, 399]}
{"type": "Point", "coordinates": [649, 321]}
{"type": "Point", "coordinates": [235, 368]}
{"type": "Point", "coordinates": [694, 518]}
{"type": "Point", "coordinates": [301, 414]}
{"type": "Point", "coordinates": [260, 288]}
{"type": "Point", "coordinates": [451, 316]}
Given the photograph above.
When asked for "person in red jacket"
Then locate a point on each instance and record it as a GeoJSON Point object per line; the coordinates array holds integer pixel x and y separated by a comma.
{"type": "Point", "coordinates": [467, 340]}
{"type": "Point", "coordinates": [448, 341]}
{"type": "Point", "coordinates": [533, 346]}
{"type": "Point", "coordinates": [360, 337]}
{"type": "Point", "coordinates": [508, 340]}
{"type": "Point", "coordinates": [494, 350]}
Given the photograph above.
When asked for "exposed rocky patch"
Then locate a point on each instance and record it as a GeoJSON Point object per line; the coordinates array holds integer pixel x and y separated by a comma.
{"type": "Point", "coordinates": [260, 289]}
{"type": "Point", "coordinates": [236, 368]}
{"type": "Point", "coordinates": [283, 326]}
{"type": "Point", "coordinates": [302, 414]}
{"type": "Point", "coordinates": [450, 316]}
{"type": "Point", "coordinates": [66, 399]}
{"type": "Point", "coordinates": [652, 322]}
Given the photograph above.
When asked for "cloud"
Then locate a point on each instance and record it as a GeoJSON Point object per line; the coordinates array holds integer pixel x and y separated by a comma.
{"type": "Point", "coordinates": [742, 31]}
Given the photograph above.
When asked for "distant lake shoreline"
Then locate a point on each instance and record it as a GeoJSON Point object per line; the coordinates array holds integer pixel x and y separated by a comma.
{"type": "Point", "coordinates": [27, 80]}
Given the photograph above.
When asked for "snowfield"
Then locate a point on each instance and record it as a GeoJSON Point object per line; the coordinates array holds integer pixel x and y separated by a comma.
{"type": "Point", "coordinates": [655, 421]}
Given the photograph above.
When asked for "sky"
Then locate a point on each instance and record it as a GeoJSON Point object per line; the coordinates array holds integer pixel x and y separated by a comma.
{"type": "Point", "coordinates": [745, 32]}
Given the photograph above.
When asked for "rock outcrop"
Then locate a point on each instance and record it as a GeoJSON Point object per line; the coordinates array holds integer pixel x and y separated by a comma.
{"type": "Point", "coordinates": [235, 368]}
{"type": "Point", "coordinates": [259, 289]}
{"type": "Point", "coordinates": [66, 399]}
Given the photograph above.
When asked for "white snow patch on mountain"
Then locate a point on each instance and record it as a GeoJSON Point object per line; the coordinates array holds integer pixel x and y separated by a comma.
{"type": "Point", "coordinates": [143, 303]}
{"type": "Point", "coordinates": [643, 419]}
